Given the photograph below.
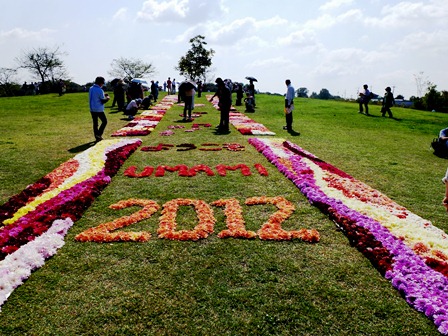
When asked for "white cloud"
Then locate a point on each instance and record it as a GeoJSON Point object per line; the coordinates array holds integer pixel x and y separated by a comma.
{"type": "Point", "coordinates": [411, 14]}
{"type": "Point", "coordinates": [303, 39]}
{"type": "Point", "coordinates": [326, 21]}
{"type": "Point", "coordinates": [333, 4]}
{"type": "Point", "coordinates": [187, 11]}
{"type": "Point", "coordinates": [275, 62]}
{"type": "Point", "coordinates": [20, 34]}
{"type": "Point", "coordinates": [231, 33]}
{"type": "Point", "coordinates": [271, 22]}
{"type": "Point", "coordinates": [121, 14]}
{"type": "Point", "coordinates": [349, 61]}
{"type": "Point", "coordinates": [427, 43]}
{"type": "Point", "coordinates": [235, 33]}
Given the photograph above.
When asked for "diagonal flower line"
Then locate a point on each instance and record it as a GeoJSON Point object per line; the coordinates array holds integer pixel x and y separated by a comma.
{"type": "Point", "coordinates": [38, 221]}
{"type": "Point", "coordinates": [417, 277]}
{"type": "Point", "coordinates": [148, 120]}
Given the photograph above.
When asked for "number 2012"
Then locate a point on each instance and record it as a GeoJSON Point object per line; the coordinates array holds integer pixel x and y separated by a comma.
{"type": "Point", "coordinates": [271, 230]}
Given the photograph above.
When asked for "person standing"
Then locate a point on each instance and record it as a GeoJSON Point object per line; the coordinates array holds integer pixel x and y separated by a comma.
{"type": "Point", "coordinates": [97, 99]}
{"type": "Point", "coordinates": [168, 85]}
{"type": "Point", "coordinates": [173, 86]}
{"type": "Point", "coordinates": [239, 94]}
{"type": "Point", "coordinates": [154, 90]}
{"type": "Point", "coordinates": [188, 94]}
{"type": "Point", "coordinates": [364, 97]}
{"type": "Point", "coordinates": [252, 90]}
{"type": "Point", "coordinates": [119, 93]}
{"type": "Point", "coordinates": [157, 91]}
{"type": "Point", "coordinates": [199, 89]}
{"type": "Point", "coordinates": [225, 101]}
{"type": "Point", "coordinates": [388, 102]}
{"type": "Point", "coordinates": [61, 87]}
{"type": "Point", "coordinates": [289, 105]}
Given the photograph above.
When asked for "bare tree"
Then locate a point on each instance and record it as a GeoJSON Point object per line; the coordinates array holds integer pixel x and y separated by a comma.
{"type": "Point", "coordinates": [44, 63]}
{"type": "Point", "coordinates": [128, 68]}
{"type": "Point", "coordinates": [422, 83]}
{"type": "Point", "coordinates": [7, 81]}
{"type": "Point", "coordinates": [7, 75]}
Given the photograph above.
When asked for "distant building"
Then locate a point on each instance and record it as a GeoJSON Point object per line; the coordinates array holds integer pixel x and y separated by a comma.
{"type": "Point", "coordinates": [403, 103]}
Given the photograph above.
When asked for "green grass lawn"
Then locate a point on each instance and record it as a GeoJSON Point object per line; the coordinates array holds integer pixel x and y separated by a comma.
{"type": "Point", "coordinates": [219, 286]}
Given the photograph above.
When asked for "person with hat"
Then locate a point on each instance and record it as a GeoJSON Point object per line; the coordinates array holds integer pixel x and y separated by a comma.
{"type": "Point", "coordinates": [132, 108]}
{"type": "Point", "coordinates": [225, 102]}
{"type": "Point", "coordinates": [388, 102]}
{"type": "Point", "coordinates": [97, 99]}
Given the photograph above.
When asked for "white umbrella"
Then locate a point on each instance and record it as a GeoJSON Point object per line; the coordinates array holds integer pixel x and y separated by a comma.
{"type": "Point", "coordinates": [142, 82]}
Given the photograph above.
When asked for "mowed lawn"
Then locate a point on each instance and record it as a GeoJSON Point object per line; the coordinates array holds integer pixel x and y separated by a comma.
{"type": "Point", "coordinates": [219, 286]}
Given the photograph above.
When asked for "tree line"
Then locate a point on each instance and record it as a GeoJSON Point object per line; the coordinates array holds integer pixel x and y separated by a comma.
{"type": "Point", "coordinates": [47, 67]}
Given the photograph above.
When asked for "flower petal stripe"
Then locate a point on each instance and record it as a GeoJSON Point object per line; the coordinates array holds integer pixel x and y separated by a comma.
{"type": "Point", "coordinates": [405, 248]}
{"type": "Point", "coordinates": [50, 206]}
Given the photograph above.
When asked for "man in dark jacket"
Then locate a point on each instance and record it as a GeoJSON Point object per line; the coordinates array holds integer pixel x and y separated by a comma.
{"type": "Point", "coordinates": [225, 102]}
{"type": "Point", "coordinates": [388, 102]}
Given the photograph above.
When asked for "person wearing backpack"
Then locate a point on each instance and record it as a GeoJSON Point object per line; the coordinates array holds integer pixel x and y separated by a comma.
{"type": "Point", "coordinates": [364, 98]}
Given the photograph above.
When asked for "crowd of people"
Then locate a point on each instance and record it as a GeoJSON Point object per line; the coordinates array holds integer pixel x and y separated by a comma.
{"type": "Point", "coordinates": [133, 93]}
{"type": "Point", "coordinates": [129, 97]}
{"type": "Point", "coordinates": [30, 89]}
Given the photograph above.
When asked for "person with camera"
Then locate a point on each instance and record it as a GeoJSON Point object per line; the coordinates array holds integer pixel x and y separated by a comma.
{"type": "Point", "coordinates": [364, 98]}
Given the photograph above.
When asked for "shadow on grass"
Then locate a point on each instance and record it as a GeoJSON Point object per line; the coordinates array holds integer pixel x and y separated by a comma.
{"type": "Point", "coordinates": [293, 133]}
{"type": "Point", "coordinates": [441, 155]}
{"type": "Point", "coordinates": [219, 132]}
{"type": "Point", "coordinates": [82, 148]}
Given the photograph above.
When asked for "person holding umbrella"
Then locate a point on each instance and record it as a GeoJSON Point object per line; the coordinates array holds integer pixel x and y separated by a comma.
{"type": "Point", "coordinates": [251, 89]}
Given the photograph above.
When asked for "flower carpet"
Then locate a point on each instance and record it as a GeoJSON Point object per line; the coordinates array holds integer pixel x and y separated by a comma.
{"type": "Point", "coordinates": [243, 123]}
{"type": "Point", "coordinates": [36, 220]}
{"type": "Point", "coordinates": [147, 121]}
{"type": "Point", "coordinates": [247, 126]}
{"type": "Point", "coordinates": [406, 249]}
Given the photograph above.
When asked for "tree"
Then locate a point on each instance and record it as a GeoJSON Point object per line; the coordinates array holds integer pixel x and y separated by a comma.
{"type": "Point", "coordinates": [302, 92]}
{"type": "Point", "coordinates": [324, 94]}
{"type": "Point", "coordinates": [44, 63]}
{"type": "Point", "coordinates": [8, 82]}
{"type": "Point", "coordinates": [128, 68]}
{"type": "Point", "coordinates": [432, 99]}
{"type": "Point", "coordinates": [195, 63]}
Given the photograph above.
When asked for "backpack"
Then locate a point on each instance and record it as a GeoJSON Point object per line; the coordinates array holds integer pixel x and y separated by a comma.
{"type": "Point", "coordinates": [439, 147]}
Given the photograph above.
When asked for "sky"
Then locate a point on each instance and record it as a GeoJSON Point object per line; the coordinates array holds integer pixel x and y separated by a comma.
{"type": "Point", "coordinates": [338, 45]}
